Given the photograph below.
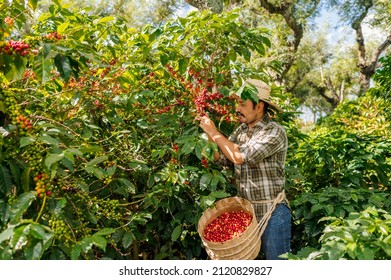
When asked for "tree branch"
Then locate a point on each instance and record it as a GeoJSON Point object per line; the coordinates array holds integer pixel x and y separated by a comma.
{"type": "Point", "coordinates": [376, 54]}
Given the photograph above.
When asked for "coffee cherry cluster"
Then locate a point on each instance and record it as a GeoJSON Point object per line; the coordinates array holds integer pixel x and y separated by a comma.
{"type": "Point", "coordinates": [204, 94]}
{"type": "Point", "coordinates": [52, 37]}
{"type": "Point", "coordinates": [14, 111]}
{"type": "Point", "coordinates": [43, 185]}
{"type": "Point", "coordinates": [106, 208]}
{"type": "Point", "coordinates": [9, 21]}
{"type": "Point", "coordinates": [227, 226]}
{"type": "Point", "coordinates": [11, 104]}
{"type": "Point", "coordinates": [33, 155]}
{"type": "Point", "coordinates": [15, 47]}
{"type": "Point", "coordinates": [60, 228]}
{"type": "Point", "coordinates": [23, 122]}
{"type": "Point", "coordinates": [205, 162]}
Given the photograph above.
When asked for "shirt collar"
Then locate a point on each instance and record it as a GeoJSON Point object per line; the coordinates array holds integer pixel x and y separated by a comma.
{"type": "Point", "coordinates": [261, 123]}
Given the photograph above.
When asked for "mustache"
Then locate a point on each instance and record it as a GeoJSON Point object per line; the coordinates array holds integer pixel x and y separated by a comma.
{"type": "Point", "coordinates": [239, 114]}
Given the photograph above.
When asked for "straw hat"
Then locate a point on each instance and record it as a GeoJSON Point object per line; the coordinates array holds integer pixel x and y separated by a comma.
{"type": "Point", "coordinates": [263, 92]}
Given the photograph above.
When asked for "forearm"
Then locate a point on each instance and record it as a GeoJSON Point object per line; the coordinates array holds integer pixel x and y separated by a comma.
{"type": "Point", "coordinates": [228, 148]}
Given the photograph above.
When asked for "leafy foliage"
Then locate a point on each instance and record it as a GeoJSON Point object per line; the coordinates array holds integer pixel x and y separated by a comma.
{"type": "Point", "coordinates": [344, 167]}
{"type": "Point", "coordinates": [363, 235]}
{"type": "Point", "coordinates": [100, 157]}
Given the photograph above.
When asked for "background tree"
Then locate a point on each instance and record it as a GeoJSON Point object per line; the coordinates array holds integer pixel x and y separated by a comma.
{"type": "Point", "coordinates": [298, 18]}
{"type": "Point", "coordinates": [376, 14]}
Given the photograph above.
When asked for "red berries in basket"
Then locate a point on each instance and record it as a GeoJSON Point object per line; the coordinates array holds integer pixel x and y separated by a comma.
{"type": "Point", "coordinates": [227, 226]}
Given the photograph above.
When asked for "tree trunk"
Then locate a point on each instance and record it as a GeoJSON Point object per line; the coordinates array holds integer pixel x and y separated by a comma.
{"type": "Point", "coordinates": [367, 67]}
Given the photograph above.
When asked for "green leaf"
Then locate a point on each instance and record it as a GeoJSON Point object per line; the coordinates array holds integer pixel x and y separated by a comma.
{"type": "Point", "coordinates": [354, 197]}
{"type": "Point", "coordinates": [86, 244]}
{"type": "Point", "coordinates": [48, 140]}
{"type": "Point", "coordinates": [61, 203]}
{"type": "Point", "coordinates": [385, 245]}
{"type": "Point", "coordinates": [19, 239]}
{"type": "Point", "coordinates": [76, 251]}
{"type": "Point", "coordinates": [25, 141]}
{"type": "Point", "coordinates": [99, 241]}
{"type": "Point", "coordinates": [6, 234]}
{"type": "Point", "coordinates": [330, 209]}
{"type": "Point", "coordinates": [364, 252]}
{"type": "Point", "coordinates": [2, 107]}
{"type": "Point", "coordinates": [18, 67]}
{"type": "Point", "coordinates": [205, 180]}
{"type": "Point", "coordinates": [42, 64]}
{"type": "Point", "coordinates": [187, 148]}
{"type": "Point", "coordinates": [33, 4]}
{"type": "Point", "coordinates": [125, 187]}
{"type": "Point", "coordinates": [249, 92]}
{"type": "Point", "coordinates": [336, 250]}
{"type": "Point", "coordinates": [206, 201]}
{"type": "Point", "coordinates": [164, 59]}
{"type": "Point", "coordinates": [104, 19]}
{"type": "Point", "coordinates": [96, 161]}
{"type": "Point", "coordinates": [182, 66]}
{"type": "Point", "coordinates": [127, 239]}
{"type": "Point", "coordinates": [198, 149]}
{"type": "Point", "coordinates": [76, 98]}
{"type": "Point", "coordinates": [384, 229]}
{"type": "Point", "coordinates": [316, 207]}
{"type": "Point", "coordinates": [63, 66]}
{"type": "Point", "coordinates": [5, 180]}
{"type": "Point", "coordinates": [176, 233]}
{"type": "Point", "coordinates": [351, 248]}
{"type": "Point", "coordinates": [21, 204]}
{"type": "Point", "coordinates": [25, 179]}
{"type": "Point", "coordinates": [105, 231]}
{"type": "Point", "coordinates": [62, 27]}
{"type": "Point", "coordinates": [98, 172]}
{"type": "Point", "coordinates": [219, 194]}
{"type": "Point", "coordinates": [34, 250]}
{"type": "Point", "coordinates": [52, 158]}
{"type": "Point", "coordinates": [15, 171]}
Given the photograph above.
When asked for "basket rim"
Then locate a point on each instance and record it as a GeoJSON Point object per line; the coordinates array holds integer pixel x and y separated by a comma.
{"type": "Point", "coordinates": [216, 210]}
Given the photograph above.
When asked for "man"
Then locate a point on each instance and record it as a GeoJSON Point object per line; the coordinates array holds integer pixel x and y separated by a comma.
{"type": "Point", "coordinates": [257, 149]}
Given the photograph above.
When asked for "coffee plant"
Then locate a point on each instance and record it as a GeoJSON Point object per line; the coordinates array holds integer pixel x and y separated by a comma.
{"type": "Point", "coordinates": [100, 156]}
{"type": "Point", "coordinates": [363, 235]}
{"type": "Point", "coordinates": [344, 167]}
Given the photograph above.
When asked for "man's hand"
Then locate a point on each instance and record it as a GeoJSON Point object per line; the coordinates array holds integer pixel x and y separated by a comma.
{"type": "Point", "coordinates": [229, 149]}
{"type": "Point", "coordinates": [207, 125]}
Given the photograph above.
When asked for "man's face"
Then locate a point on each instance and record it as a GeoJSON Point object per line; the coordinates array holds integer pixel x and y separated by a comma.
{"type": "Point", "coordinates": [246, 111]}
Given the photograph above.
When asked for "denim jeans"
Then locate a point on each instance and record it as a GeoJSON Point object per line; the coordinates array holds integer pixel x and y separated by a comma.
{"type": "Point", "coordinates": [276, 238]}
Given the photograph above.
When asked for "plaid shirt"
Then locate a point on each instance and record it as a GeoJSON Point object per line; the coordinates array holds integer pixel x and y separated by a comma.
{"type": "Point", "coordinates": [263, 149]}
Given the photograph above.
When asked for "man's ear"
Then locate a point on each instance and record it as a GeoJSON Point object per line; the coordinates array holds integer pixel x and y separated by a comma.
{"type": "Point", "coordinates": [260, 106]}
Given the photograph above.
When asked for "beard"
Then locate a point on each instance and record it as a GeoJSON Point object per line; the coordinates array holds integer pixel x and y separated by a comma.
{"type": "Point", "coordinates": [241, 117]}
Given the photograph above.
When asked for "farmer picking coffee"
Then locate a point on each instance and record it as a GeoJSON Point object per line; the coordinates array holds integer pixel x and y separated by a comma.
{"type": "Point", "coordinates": [257, 150]}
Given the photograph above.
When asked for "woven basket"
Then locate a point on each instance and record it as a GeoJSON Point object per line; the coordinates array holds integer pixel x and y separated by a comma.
{"type": "Point", "coordinates": [244, 247]}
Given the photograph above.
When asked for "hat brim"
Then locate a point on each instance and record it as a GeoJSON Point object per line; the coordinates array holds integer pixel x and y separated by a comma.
{"type": "Point", "coordinates": [273, 105]}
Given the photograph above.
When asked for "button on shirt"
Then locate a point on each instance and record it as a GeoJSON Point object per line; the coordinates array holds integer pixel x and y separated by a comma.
{"type": "Point", "coordinates": [261, 176]}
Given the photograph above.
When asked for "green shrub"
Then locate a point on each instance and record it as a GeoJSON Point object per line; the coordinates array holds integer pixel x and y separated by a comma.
{"type": "Point", "coordinates": [364, 235]}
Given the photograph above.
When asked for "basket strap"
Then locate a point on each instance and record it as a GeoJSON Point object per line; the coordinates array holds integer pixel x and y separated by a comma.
{"type": "Point", "coordinates": [280, 198]}
{"type": "Point", "coordinates": [265, 219]}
